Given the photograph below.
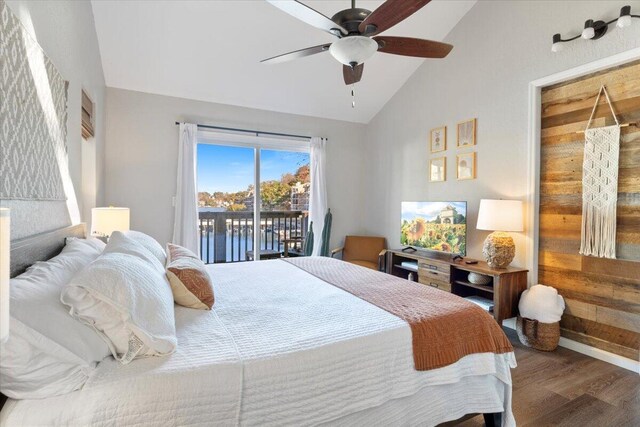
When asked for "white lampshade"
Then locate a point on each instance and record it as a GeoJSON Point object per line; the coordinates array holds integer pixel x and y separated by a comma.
{"type": "Point", "coordinates": [353, 49]}
{"type": "Point", "coordinates": [557, 47]}
{"type": "Point", "coordinates": [588, 33]}
{"type": "Point", "coordinates": [625, 17]}
{"type": "Point", "coordinates": [558, 44]}
{"type": "Point", "coordinates": [500, 215]}
{"type": "Point", "coordinates": [5, 249]}
{"type": "Point", "coordinates": [624, 21]}
{"type": "Point", "coordinates": [105, 221]}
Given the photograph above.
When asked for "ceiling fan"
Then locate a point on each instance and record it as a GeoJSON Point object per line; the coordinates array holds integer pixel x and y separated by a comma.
{"type": "Point", "coordinates": [355, 29]}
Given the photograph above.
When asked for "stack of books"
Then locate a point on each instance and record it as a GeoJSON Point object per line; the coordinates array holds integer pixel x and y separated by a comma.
{"type": "Point", "coordinates": [410, 265]}
{"type": "Point", "coordinates": [485, 303]}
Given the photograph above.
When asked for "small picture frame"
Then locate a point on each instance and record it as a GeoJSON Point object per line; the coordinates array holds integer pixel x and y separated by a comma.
{"type": "Point", "coordinates": [438, 139]}
{"type": "Point", "coordinates": [466, 165]}
{"type": "Point", "coordinates": [438, 169]}
{"type": "Point", "coordinates": [466, 132]}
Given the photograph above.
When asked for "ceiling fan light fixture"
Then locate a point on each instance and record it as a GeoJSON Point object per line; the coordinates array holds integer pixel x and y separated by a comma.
{"type": "Point", "coordinates": [353, 49]}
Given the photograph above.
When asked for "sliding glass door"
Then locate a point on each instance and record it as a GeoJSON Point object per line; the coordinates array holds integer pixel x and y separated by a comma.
{"type": "Point", "coordinates": [226, 177]}
{"type": "Point", "coordinates": [231, 201]}
{"type": "Point", "coordinates": [284, 195]}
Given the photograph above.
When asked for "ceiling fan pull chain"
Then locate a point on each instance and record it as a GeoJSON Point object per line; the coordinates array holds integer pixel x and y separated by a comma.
{"type": "Point", "coordinates": [353, 95]}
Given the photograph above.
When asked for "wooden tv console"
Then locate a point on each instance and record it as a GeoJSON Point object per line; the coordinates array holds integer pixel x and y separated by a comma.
{"type": "Point", "coordinates": [440, 271]}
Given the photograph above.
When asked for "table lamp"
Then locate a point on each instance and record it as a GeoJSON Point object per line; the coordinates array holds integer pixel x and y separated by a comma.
{"type": "Point", "coordinates": [105, 221]}
{"type": "Point", "coordinates": [499, 216]}
{"type": "Point", "coordinates": [5, 250]}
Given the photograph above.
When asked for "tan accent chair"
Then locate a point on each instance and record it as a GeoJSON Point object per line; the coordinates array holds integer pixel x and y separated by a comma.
{"type": "Point", "coordinates": [366, 251]}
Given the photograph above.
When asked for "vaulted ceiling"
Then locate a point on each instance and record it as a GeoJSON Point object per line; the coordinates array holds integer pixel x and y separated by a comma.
{"type": "Point", "coordinates": [211, 51]}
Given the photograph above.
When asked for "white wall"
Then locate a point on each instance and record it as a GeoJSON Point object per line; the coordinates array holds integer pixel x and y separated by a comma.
{"type": "Point", "coordinates": [499, 47]}
{"type": "Point", "coordinates": [141, 155]}
{"type": "Point", "coordinates": [65, 30]}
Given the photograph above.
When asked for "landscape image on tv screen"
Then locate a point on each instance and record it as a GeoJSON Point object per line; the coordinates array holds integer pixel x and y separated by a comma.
{"type": "Point", "coordinates": [438, 226]}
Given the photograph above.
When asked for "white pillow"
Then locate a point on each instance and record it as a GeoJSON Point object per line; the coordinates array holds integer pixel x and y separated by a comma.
{"type": "Point", "coordinates": [35, 299]}
{"type": "Point", "coordinates": [541, 303]}
{"type": "Point", "coordinates": [92, 245]}
{"type": "Point", "coordinates": [149, 243]}
{"type": "Point", "coordinates": [36, 306]}
{"type": "Point", "coordinates": [128, 301]}
{"type": "Point", "coordinates": [123, 244]}
{"type": "Point", "coordinates": [35, 367]}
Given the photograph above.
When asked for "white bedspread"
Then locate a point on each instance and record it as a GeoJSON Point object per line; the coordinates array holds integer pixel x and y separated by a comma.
{"type": "Point", "coordinates": [281, 347]}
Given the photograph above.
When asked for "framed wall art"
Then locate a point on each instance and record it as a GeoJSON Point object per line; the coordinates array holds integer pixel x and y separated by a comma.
{"type": "Point", "coordinates": [438, 139]}
{"type": "Point", "coordinates": [466, 132]}
{"type": "Point", "coordinates": [466, 165]}
{"type": "Point", "coordinates": [438, 169]}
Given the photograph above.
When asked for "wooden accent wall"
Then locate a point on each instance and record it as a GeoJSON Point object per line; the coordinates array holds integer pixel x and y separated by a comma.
{"type": "Point", "coordinates": [602, 295]}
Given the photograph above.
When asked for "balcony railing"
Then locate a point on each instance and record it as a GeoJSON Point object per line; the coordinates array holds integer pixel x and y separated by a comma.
{"type": "Point", "coordinates": [228, 236]}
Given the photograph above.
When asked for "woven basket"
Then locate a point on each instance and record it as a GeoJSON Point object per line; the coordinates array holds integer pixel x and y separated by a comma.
{"type": "Point", "coordinates": [538, 335]}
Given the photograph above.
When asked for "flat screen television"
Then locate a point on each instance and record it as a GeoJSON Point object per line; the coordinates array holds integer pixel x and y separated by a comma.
{"type": "Point", "coordinates": [436, 226]}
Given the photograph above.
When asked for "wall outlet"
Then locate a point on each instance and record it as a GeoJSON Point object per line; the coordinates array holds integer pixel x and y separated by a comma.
{"type": "Point", "coordinates": [173, 201]}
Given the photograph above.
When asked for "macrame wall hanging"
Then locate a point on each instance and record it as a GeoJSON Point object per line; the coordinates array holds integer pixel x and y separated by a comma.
{"type": "Point", "coordinates": [600, 186]}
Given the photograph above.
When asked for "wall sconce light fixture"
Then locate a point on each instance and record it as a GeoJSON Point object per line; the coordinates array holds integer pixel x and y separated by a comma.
{"type": "Point", "coordinates": [593, 30]}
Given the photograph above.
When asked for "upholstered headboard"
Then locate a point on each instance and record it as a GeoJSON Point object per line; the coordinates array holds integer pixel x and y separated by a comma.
{"type": "Point", "coordinates": [41, 247]}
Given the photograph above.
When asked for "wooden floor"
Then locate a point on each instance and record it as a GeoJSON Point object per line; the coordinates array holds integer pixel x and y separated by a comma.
{"type": "Point", "coordinates": [565, 388]}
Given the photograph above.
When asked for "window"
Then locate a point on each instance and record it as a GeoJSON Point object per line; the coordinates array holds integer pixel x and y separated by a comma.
{"type": "Point", "coordinates": [228, 171]}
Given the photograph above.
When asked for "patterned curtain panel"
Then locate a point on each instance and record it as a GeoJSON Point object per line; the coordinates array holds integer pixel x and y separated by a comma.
{"type": "Point", "coordinates": [33, 116]}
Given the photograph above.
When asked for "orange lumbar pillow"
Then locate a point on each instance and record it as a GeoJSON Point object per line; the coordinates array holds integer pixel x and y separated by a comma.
{"type": "Point", "coordinates": [190, 282]}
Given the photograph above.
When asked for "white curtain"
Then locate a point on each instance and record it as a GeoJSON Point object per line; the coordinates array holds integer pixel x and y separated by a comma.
{"type": "Point", "coordinates": [185, 225]}
{"type": "Point", "coordinates": [318, 198]}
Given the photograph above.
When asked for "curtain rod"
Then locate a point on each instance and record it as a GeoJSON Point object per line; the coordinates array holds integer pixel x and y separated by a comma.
{"type": "Point", "coordinates": [256, 132]}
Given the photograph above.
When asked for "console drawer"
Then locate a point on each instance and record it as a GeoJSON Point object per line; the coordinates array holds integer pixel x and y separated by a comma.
{"type": "Point", "coordinates": [442, 285]}
{"type": "Point", "coordinates": [433, 265]}
{"type": "Point", "coordinates": [433, 275]}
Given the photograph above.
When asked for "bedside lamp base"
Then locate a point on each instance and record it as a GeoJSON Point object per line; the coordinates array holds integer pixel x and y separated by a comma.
{"type": "Point", "coordinates": [499, 249]}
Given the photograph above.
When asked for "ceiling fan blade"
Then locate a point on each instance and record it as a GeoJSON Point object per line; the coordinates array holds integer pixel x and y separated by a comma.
{"type": "Point", "coordinates": [389, 14]}
{"type": "Point", "coordinates": [408, 46]}
{"type": "Point", "coordinates": [352, 75]}
{"type": "Point", "coordinates": [309, 15]}
{"type": "Point", "coordinates": [297, 54]}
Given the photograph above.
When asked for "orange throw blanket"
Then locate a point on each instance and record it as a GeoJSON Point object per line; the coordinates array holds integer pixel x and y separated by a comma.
{"type": "Point", "coordinates": [444, 327]}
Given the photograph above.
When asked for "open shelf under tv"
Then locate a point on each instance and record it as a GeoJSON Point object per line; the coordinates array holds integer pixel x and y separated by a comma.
{"type": "Point", "coordinates": [404, 267]}
{"type": "Point", "coordinates": [485, 288]}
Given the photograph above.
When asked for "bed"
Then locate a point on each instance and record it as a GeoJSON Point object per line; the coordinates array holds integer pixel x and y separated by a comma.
{"type": "Point", "coordinates": [281, 347]}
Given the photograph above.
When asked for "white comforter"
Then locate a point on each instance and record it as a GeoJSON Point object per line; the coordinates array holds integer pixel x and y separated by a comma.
{"type": "Point", "coordinates": [281, 347]}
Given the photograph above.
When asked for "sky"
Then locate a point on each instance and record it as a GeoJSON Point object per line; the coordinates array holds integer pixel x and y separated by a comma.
{"type": "Point", "coordinates": [429, 210]}
{"type": "Point", "coordinates": [230, 169]}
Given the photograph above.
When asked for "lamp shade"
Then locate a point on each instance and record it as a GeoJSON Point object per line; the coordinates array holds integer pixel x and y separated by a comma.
{"type": "Point", "coordinates": [625, 17]}
{"type": "Point", "coordinates": [500, 215]}
{"type": "Point", "coordinates": [353, 49]}
{"type": "Point", "coordinates": [105, 221]}
{"type": "Point", "coordinates": [4, 273]}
